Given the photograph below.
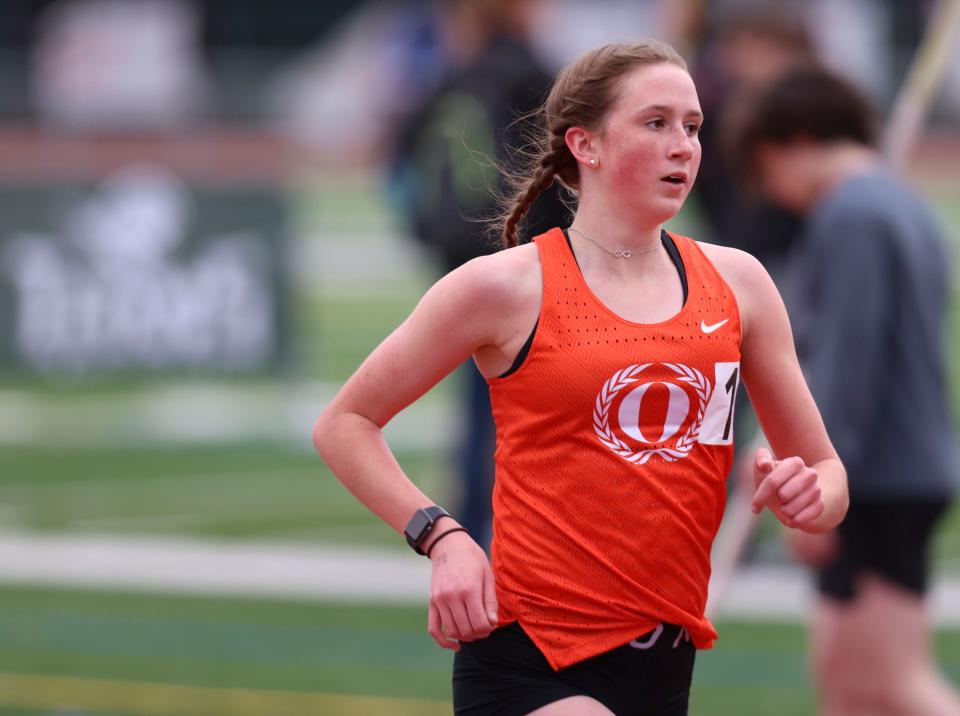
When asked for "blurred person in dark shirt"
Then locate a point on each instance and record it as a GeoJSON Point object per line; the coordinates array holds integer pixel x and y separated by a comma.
{"type": "Point", "coordinates": [445, 175]}
{"type": "Point", "coordinates": [867, 289]}
{"type": "Point", "coordinates": [747, 46]}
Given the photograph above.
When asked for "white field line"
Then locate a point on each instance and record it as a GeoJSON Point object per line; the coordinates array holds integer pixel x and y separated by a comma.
{"type": "Point", "coordinates": [309, 571]}
{"type": "Point", "coordinates": [210, 567]}
{"type": "Point", "coordinates": [198, 412]}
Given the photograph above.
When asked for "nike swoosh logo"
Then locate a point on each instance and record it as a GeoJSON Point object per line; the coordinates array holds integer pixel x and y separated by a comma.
{"type": "Point", "coordinates": [712, 327]}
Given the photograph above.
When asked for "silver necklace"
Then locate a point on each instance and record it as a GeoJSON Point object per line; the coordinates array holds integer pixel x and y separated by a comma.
{"type": "Point", "coordinates": [619, 253]}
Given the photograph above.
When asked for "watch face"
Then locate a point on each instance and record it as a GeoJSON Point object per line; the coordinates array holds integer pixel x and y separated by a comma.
{"type": "Point", "coordinates": [418, 525]}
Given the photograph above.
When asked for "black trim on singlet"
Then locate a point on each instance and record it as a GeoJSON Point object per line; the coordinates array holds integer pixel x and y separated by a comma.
{"type": "Point", "coordinates": [522, 355]}
{"type": "Point", "coordinates": [672, 251]}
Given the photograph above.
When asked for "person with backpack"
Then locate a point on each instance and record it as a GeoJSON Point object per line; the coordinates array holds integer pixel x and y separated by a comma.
{"type": "Point", "coordinates": [446, 171]}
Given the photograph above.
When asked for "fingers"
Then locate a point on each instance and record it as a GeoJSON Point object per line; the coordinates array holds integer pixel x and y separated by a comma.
{"type": "Point", "coordinates": [463, 602]}
{"type": "Point", "coordinates": [790, 489]}
{"type": "Point", "coordinates": [796, 486]}
{"type": "Point", "coordinates": [456, 620]}
{"type": "Point", "coordinates": [467, 612]}
{"type": "Point", "coordinates": [809, 513]}
{"type": "Point", "coordinates": [763, 460]}
{"type": "Point", "coordinates": [450, 624]}
{"type": "Point", "coordinates": [800, 496]}
{"type": "Point", "coordinates": [434, 624]}
{"type": "Point", "coordinates": [769, 478]}
{"type": "Point", "coordinates": [490, 597]}
{"type": "Point", "coordinates": [763, 466]}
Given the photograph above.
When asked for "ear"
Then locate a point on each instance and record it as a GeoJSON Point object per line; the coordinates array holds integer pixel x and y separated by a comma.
{"type": "Point", "coordinates": [582, 145]}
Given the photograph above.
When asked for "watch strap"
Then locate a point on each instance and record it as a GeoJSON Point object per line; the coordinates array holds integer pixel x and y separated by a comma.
{"type": "Point", "coordinates": [442, 535]}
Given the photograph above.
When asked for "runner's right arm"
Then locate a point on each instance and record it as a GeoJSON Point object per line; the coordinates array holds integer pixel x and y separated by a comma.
{"type": "Point", "coordinates": [457, 317]}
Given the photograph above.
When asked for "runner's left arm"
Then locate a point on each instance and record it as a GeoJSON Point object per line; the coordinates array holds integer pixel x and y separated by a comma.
{"type": "Point", "coordinates": [803, 480]}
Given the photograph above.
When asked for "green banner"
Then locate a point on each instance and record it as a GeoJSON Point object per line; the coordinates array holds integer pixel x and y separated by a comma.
{"type": "Point", "coordinates": [142, 273]}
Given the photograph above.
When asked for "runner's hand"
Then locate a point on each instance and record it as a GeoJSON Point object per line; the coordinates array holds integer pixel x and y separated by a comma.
{"type": "Point", "coordinates": [463, 601]}
{"type": "Point", "coordinates": [788, 487]}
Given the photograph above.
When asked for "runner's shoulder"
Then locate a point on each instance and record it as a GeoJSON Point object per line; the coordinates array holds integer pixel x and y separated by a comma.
{"type": "Point", "coordinates": [740, 269]}
{"type": "Point", "coordinates": [503, 281]}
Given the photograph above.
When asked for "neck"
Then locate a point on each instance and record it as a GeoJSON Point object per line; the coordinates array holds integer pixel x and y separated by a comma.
{"type": "Point", "coordinates": [837, 164]}
{"type": "Point", "coordinates": [616, 234]}
{"type": "Point", "coordinates": [631, 256]}
{"type": "Point", "coordinates": [624, 249]}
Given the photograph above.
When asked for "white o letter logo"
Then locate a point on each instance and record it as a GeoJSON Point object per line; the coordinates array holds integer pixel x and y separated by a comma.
{"type": "Point", "coordinates": [677, 409]}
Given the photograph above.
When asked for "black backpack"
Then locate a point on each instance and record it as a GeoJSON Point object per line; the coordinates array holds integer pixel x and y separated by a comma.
{"type": "Point", "coordinates": [449, 156]}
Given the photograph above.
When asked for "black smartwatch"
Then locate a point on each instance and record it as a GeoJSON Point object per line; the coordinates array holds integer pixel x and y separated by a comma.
{"type": "Point", "coordinates": [421, 524]}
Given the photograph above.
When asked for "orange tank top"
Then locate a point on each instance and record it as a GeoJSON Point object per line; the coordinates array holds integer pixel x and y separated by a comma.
{"type": "Point", "coordinates": [614, 440]}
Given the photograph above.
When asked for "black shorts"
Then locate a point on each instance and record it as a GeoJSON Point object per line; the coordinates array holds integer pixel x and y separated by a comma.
{"type": "Point", "coordinates": [507, 675]}
{"type": "Point", "coordinates": [888, 539]}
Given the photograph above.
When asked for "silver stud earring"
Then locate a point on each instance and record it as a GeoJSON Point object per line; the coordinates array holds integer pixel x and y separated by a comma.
{"type": "Point", "coordinates": [593, 162]}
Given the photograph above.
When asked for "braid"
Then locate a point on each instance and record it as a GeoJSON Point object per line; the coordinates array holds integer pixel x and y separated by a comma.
{"type": "Point", "coordinates": [558, 143]}
{"type": "Point", "coordinates": [539, 182]}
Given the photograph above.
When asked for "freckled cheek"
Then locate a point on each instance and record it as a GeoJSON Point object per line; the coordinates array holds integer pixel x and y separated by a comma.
{"type": "Point", "coordinates": [635, 167]}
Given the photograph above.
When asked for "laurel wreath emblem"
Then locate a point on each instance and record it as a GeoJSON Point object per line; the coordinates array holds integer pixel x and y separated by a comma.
{"type": "Point", "coordinates": [620, 380]}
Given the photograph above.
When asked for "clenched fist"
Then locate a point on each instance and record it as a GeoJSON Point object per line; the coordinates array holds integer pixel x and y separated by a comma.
{"type": "Point", "coordinates": [788, 487]}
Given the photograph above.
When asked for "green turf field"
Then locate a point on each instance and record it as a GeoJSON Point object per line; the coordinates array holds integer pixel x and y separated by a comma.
{"type": "Point", "coordinates": [102, 653]}
{"type": "Point", "coordinates": [232, 491]}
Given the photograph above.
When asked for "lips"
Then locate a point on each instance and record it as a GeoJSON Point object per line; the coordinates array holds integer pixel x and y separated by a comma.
{"type": "Point", "coordinates": [677, 178]}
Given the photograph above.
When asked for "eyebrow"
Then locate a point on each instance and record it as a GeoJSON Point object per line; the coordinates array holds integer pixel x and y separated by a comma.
{"type": "Point", "coordinates": [664, 108]}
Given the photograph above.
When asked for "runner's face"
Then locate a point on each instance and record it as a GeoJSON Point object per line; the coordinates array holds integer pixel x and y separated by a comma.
{"type": "Point", "coordinates": [648, 146]}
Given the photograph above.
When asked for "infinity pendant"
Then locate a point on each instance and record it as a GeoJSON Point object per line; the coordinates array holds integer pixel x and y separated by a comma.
{"type": "Point", "coordinates": [622, 254]}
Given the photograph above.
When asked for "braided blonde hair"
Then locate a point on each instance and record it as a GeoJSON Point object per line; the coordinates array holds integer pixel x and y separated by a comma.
{"type": "Point", "coordinates": [580, 97]}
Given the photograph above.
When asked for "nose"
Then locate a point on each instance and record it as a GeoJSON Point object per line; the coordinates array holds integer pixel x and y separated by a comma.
{"type": "Point", "coordinates": [681, 144]}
